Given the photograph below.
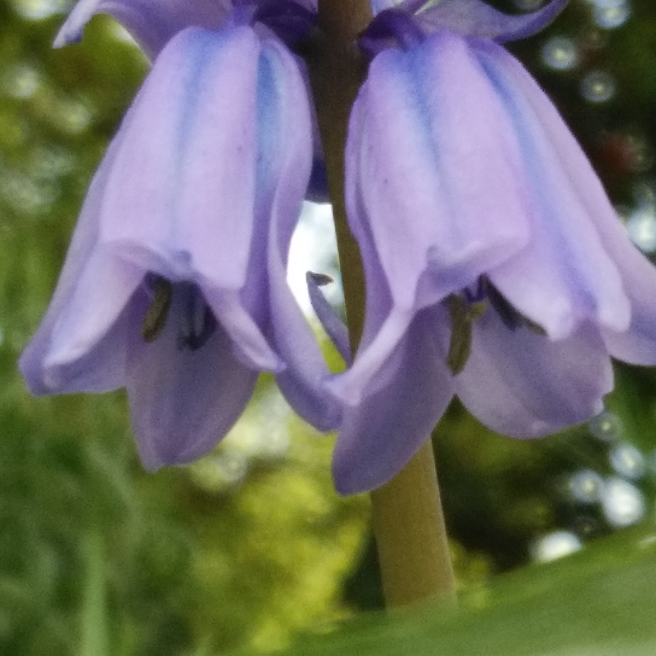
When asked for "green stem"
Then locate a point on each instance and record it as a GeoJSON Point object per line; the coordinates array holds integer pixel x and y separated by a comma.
{"type": "Point", "coordinates": [336, 72]}
{"type": "Point", "coordinates": [413, 549]}
{"type": "Point", "coordinates": [407, 513]}
{"type": "Point", "coordinates": [95, 635]}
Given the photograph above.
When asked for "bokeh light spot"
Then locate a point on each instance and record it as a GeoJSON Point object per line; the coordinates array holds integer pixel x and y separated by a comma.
{"type": "Point", "coordinates": [623, 504]}
{"type": "Point", "coordinates": [598, 86]}
{"type": "Point", "coordinates": [585, 486]}
{"type": "Point", "coordinates": [628, 461]}
{"type": "Point", "coordinates": [560, 53]}
{"type": "Point", "coordinates": [606, 427]}
{"type": "Point", "coordinates": [40, 9]}
{"type": "Point", "coordinates": [641, 225]}
{"type": "Point", "coordinates": [555, 545]}
{"type": "Point", "coordinates": [611, 16]}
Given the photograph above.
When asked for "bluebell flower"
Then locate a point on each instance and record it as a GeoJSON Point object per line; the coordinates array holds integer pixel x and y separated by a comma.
{"type": "Point", "coordinates": [496, 268]}
{"type": "Point", "coordinates": [174, 285]}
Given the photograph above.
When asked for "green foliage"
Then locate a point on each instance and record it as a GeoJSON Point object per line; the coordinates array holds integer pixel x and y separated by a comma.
{"type": "Point", "coordinates": [600, 601]}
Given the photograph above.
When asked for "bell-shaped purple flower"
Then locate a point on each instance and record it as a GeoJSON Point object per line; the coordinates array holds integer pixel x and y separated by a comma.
{"type": "Point", "coordinates": [174, 285]}
{"type": "Point", "coordinates": [496, 267]}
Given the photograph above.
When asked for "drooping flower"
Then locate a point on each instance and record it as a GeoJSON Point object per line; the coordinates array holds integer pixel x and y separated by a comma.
{"type": "Point", "coordinates": [175, 281]}
{"type": "Point", "coordinates": [496, 267]}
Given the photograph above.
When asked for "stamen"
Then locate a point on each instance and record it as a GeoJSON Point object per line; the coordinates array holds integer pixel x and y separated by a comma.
{"type": "Point", "coordinates": [198, 322]}
{"type": "Point", "coordinates": [321, 279]}
{"type": "Point", "coordinates": [198, 339]}
{"type": "Point", "coordinates": [468, 306]}
{"type": "Point", "coordinates": [533, 327]}
{"type": "Point", "coordinates": [461, 333]}
{"type": "Point", "coordinates": [479, 294]}
{"type": "Point", "coordinates": [463, 312]}
{"type": "Point", "coordinates": [158, 311]}
{"type": "Point", "coordinates": [507, 313]}
{"type": "Point", "coordinates": [511, 317]}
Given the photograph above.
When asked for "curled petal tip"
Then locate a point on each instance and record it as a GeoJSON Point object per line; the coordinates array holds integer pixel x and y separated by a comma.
{"type": "Point", "coordinates": [476, 18]}
{"type": "Point", "coordinates": [151, 22]}
{"type": "Point", "coordinates": [331, 321]}
{"type": "Point", "coordinates": [71, 30]}
{"type": "Point", "coordinates": [382, 433]}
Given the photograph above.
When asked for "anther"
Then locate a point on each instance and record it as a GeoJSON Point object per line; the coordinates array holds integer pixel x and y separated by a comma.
{"type": "Point", "coordinates": [461, 333]}
{"type": "Point", "coordinates": [462, 314]}
{"type": "Point", "coordinates": [198, 322]}
{"type": "Point", "coordinates": [158, 311]}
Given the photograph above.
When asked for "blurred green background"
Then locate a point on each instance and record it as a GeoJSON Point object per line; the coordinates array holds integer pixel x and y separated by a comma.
{"type": "Point", "coordinates": [251, 546]}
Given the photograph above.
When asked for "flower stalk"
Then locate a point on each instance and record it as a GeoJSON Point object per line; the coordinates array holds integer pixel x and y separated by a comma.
{"type": "Point", "coordinates": [408, 521]}
{"type": "Point", "coordinates": [411, 538]}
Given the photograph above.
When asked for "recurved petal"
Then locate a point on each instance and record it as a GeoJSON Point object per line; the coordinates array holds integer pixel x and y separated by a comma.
{"type": "Point", "coordinates": [151, 22]}
{"type": "Point", "coordinates": [81, 330]}
{"type": "Point", "coordinates": [301, 381]}
{"type": "Point", "coordinates": [422, 184]}
{"type": "Point", "coordinates": [79, 342]}
{"type": "Point", "coordinates": [522, 384]}
{"type": "Point", "coordinates": [565, 275]}
{"type": "Point", "coordinates": [285, 135]}
{"type": "Point", "coordinates": [182, 402]}
{"type": "Point", "coordinates": [637, 344]}
{"type": "Point", "coordinates": [379, 436]}
{"type": "Point", "coordinates": [250, 344]}
{"type": "Point", "coordinates": [477, 18]}
{"type": "Point", "coordinates": [79, 349]}
{"type": "Point", "coordinates": [384, 325]}
{"type": "Point", "coordinates": [371, 368]}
